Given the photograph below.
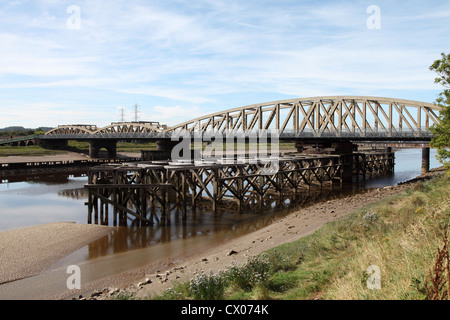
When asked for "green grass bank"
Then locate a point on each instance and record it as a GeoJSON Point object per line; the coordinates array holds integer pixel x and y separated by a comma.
{"type": "Point", "coordinates": [394, 250]}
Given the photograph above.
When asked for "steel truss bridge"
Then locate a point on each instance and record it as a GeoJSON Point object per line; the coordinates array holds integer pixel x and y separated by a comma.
{"type": "Point", "coordinates": [325, 127]}
{"type": "Point", "coordinates": [341, 117]}
{"type": "Point", "coordinates": [316, 120]}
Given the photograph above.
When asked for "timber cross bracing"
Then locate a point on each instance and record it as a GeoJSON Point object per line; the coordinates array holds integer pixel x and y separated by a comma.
{"type": "Point", "coordinates": [321, 117]}
{"type": "Point", "coordinates": [147, 192]}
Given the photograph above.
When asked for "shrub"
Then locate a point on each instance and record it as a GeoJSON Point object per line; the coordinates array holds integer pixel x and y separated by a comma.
{"type": "Point", "coordinates": [437, 285]}
{"type": "Point", "coordinates": [208, 287]}
{"type": "Point", "coordinates": [369, 219]}
{"type": "Point", "coordinates": [256, 271]}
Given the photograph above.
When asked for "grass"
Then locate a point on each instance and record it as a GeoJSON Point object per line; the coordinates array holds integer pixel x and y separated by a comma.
{"type": "Point", "coordinates": [6, 151]}
{"type": "Point", "coordinates": [74, 146]}
{"type": "Point", "coordinates": [399, 236]}
{"type": "Point", "coordinates": [137, 147]}
{"type": "Point", "coordinates": [400, 241]}
{"type": "Point", "coordinates": [83, 147]}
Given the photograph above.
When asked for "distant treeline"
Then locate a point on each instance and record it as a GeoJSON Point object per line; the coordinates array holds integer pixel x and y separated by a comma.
{"type": "Point", "coordinates": [21, 131]}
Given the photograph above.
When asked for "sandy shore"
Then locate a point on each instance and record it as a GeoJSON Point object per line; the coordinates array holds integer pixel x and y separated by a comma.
{"type": "Point", "coordinates": [27, 251]}
{"type": "Point", "coordinates": [69, 156]}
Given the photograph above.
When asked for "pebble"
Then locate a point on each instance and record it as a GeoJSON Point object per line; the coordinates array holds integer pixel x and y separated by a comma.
{"type": "Point", "coordinates": [140, 284]}
{"type": "Point", "coordinates": [115, 290]}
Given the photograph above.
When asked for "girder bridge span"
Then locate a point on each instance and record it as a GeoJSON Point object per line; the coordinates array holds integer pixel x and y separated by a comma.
{"type": "Point", "coordinates": [315, 124]}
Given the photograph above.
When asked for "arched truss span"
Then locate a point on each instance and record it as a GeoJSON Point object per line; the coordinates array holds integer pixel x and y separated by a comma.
{"type": "Point", "coordinates": [319, 116]}
{"type": "Point", "coordinates": [72, 129]}
{"type": "Point", "coordinates": [322, 116]}
{"type": "Point", "coordinates": [132, 127]}
{"type": "Point", "coordinates": [119, 127]}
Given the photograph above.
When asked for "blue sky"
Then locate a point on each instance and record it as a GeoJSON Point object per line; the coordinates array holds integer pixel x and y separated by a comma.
{"type": "Point", "coordinates": [181, 59]}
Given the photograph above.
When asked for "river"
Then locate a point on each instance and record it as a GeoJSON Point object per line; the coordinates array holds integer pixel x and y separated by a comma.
{"type": "Point", "coordinates": [60, 198]}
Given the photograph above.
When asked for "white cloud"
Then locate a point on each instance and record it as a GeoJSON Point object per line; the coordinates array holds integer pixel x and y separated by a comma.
{"type": "Point", "coordinates": [198, 53]}
{"type": "Point", "coordinates": [174, 115]}
{"type": "Point", "coordinates": [37, 114]}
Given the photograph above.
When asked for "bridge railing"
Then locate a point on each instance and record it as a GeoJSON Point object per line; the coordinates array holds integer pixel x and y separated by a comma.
{"type": "Point", "coordinates": [357, 134]}
{"type": "Point", "coordinates": [17, 139]}
{"type": "Point", "coordinates": [393, 133]}
{"type": "Point", "coordinates": [106, 136]}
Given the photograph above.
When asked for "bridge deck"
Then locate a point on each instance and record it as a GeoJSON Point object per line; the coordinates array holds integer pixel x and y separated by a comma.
{"type": "Point", "coordinates": [287, 135]}
{"type": "Point", "coordinates": [17, 139]}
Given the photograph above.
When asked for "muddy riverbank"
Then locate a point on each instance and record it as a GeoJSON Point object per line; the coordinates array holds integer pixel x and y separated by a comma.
{"type": "Point", "coordinates": [187, 256]}
{"type": "Point", "coordinates": [145, 282]}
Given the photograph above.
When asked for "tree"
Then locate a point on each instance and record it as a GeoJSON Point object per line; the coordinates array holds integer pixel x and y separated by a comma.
{"type": "Point", "coordinates": [441, 132]}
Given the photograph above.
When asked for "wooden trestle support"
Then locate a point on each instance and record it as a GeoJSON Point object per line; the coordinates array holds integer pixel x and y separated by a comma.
{"type": "Point", "coordinates": [376, 163]}
{"type": "Point", "coordinates": [148, 191]}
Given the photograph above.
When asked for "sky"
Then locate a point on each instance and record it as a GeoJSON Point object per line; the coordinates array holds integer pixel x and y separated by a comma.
{"type": "Point", "coordinates": [83, 62]}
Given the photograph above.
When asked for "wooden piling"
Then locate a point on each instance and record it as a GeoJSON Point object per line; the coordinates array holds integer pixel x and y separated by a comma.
{"type": "Point", "coordinates": [142, 191]}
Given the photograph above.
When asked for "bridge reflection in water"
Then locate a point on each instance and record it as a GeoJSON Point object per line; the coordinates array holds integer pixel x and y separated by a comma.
{"type": "Point", "coordinates": [201, 223]}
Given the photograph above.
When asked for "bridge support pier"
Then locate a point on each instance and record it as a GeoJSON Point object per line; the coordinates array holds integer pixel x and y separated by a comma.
{"type": "Point", "coordinates": [344, 149]}
{"type": "Point", "coordinates": [163, 151]}
{"type": "Point", "coordinates": [53, 144]}
{"type": "Point", "coordinates": [165, 145]}
{"type": "Point", "coordinates": [346, 161]}
{"type": "Point", "coordinates": [109, 145]}
{"type": "Point", "coordinates": [425, 160]}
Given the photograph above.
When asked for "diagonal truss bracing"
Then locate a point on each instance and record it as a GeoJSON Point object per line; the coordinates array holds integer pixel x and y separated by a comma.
{"type": "Point", "coordinates": [323, 116]}
{"type": "Point", "coordinates": [333, 116]}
